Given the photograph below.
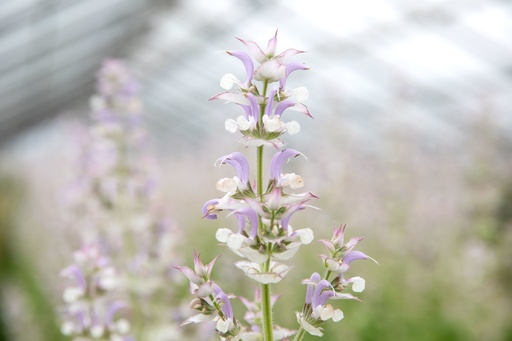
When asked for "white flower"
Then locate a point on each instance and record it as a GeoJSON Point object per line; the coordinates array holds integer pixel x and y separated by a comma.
{"type": "Point", "coordinates": [224, 325]}
{"type": "Point", "coordinates": [231, 125]}
{"type": "Point", "coordinates": [228, 185]}
{"type": "Point", "coordinates": [228, 80]}
{"type": "Point", "coordinates": [301, 94]}
{"type": "Point", "coordinates": [241, 123]}
{"type": "Point", "coordinates": [272, 124]}
{"type": "Point", "coordinates": [293, 180]}
{"type": "Point", "coordinates": [292, 127]}
{"type": "Point", "coordinates": [358, 283]}
{"type": "Point", "coordinates": [327, 312]}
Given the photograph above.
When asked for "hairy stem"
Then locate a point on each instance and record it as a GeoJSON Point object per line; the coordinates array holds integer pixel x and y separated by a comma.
{"type": "Point", "coordinates": [266, 308]}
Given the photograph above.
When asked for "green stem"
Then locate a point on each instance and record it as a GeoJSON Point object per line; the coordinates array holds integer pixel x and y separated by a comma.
{"type": "Point", "coordinates": [266, 308]}
{"type": "Point", "coordinates": [260, 171]}
{"type": "Point", "coordinates": [300, 334]}
{"type": "Point", "coordinates": [266, 305]}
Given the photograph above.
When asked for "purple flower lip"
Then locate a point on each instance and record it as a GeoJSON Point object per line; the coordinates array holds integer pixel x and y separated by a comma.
{"type": "Point", "coordinates": [239, 162]}
{"type": "Point", "coordinates": [278, 161]}
{"type": "Point", "coordinates": [248, 64]}
{"type": "Point", "coordinates": [291, 67]}
{"type": "Point", "coordinates": [226, 308]}
{"type": "Point", "coordinates": [208, 208]}
{"type": "Point", "coordinates": [309, 292]}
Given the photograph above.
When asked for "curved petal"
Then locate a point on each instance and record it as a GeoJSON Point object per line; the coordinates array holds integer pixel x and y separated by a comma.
{"type": "Point", "coordinates": [315, 277]}
{"type": "Point", "coordinates": [319, 295]}
{"type": "Point", "coordinates": [255, 108]}
{"type": "Point", "coordinates": [284, 56]}
{"type": "Point", "coordinates": [282, 106]}
{"type": "Point", "coordinates": [232, 97]}
{"type": "Point", "coordinates": [239, 162]}
{"type": "Point", "coordinates": [253, 219]}
{"type": "Point", "coordinates": [248, 64]}
{"type": "Point", "coordinates": [76, 274]}
{"type": "Point", "coordinates": [208, 208]}
{"type": "Point", "coordinates": [254, 49]}
{"type": "Point", "coordinates": [278, 160]}
{"type": "Point", "coordinates": [290, 67]}
{"type": "Point", "coordinates": [226, 308]}
{"type": "Point", "coordinates": [354, 255]}
{"type": "Point", "coordinates": [270, 102]}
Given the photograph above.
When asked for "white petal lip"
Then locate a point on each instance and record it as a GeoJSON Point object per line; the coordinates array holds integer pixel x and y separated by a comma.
{"type": "Point", "coordinates": [231, 125]}
{"type": "Point", "coordinates": [197, 318]}
{"type": "Point", "coordinates": [310, 329]}
{"type": "Point", "coordinates": [228, 80]}
{"type": "Point", "coordinates": [223, 234]}
{"type": "Point", "coordinates": [358, 284]}
{"type": "Point", "coordinates": [252, 270]}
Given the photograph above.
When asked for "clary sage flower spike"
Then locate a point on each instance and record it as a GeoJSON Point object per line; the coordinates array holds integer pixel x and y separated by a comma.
{"type": "Point", "coordinates": [265, 209]}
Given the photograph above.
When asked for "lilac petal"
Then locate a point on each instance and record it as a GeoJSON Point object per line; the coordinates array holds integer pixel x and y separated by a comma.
{"type": "Point", "coordinates": [339, 235]}
{"type": "Point", "coordinates": [272, 45]}
{"type": "Point", "coordinates": [232, 97]}
{"type": "Point", "coordinates": [319, 298]}
{"type": "Point", "coordinates": [354, 255]}
{"type": "Point", "coordinates": [255, 108]}
{"type": "Point", "coordinates": [208, 207]}
{"type": "Point", "coordinates": [255, 50]}
{"type": "Point", "coordinates": [75, 273]}
{"type": "Point", "coordinates": [241, 222]}
{"type": "Point", "coordinates": [309, 292]}
{"type": "Point", "coordinates": [268, 109]}
{"type": "Point", "coordinates": [299, 107]}
{"type": "Point", "coordinates": [352, 243]}
{"type": "Point", "coordinates": [248, 64]}
{"type": "Point", "coordinates": [274, 199]}
{"type": "Point", "coordinates": [253, 219]}
{"type": "Point", "coordinates": [282, 106]}
{"type": "Point", "coordinates": [285, 220]}
{"type": "Point", "coordinates": [256, 207]}
{"type": "Point", "coordinates": [290, 67]}
{"type": "Point", "coordinates": [247, 110]}
{"type": "Point", "coordinates": [284, 56]}
{"type": "Point", "coordinates": [239, 162]}
{"type": "Point", "coordinates": [325, 296]}
{"type": "Point", "coordinates": [209, 267]}
{"type": "Point", "coordinates": [198, 266]}
{"type": "Point", "coordinates": [227, 309]}
{"type": "Point", "coordinates": [190, 274]}
{"type": "Point", "coordinates": [328, 244]}
{"type": "Point", "coordinates": [278, 160]}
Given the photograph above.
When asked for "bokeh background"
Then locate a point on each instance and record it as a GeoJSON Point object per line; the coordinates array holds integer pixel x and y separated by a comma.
{"type": "Point", "coordinates": [410, 146]}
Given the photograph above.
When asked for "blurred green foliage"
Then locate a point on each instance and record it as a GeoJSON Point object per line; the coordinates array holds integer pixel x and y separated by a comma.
{"type": "Point", "coordinates": [16, 270]}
